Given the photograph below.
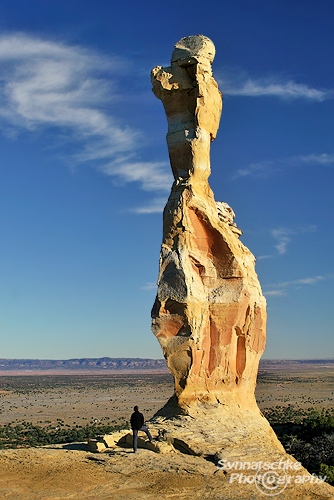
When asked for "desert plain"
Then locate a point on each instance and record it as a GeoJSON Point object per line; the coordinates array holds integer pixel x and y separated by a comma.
{"type": "Point", "coordinates": [71, 399]}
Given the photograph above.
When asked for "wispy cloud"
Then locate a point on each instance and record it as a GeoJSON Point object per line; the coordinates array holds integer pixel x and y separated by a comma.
{"type": "Point", "coordinates": [282, 288]}
{"type": "Point", "coordinates": [69, 90]}
{"type": "Point", "coordinates": [267, 168]}
{"type": "Point", "coordinates": [151, 176]}
{"type": "Point", "coordinates": [238, 83]}
{"type": "Point", "coordinates": [303, 281]}
{"type": "Point", "coordinates": [275, 293]}
{"type": "Point", "coordinates": [51, 84]}
{"type": "Point", "coordinates": [283, 236]}
{"type": "Point", "coordinates": [315, 159]}
{"type": "Point", "coordinates": [153, 207]}
{"type": "Point", "coordinates": [149, 286]}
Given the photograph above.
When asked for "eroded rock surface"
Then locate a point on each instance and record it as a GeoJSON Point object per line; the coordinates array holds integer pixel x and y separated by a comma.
{"type": "Point", "coordinates": [209, 315]}
{"type": "Point", "coordinates": [57, 474]}
{"type": "Point", "coordinates": [193, 106]}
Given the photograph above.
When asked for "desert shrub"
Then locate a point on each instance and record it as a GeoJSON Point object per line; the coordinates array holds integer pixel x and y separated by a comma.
{"type": "Point", "coordinates": [320, 450]}
{"type": "Point", "coordinates": [308, 435]}
{"type": "Point", "coordinates": [328, 472]}
{"type": "Point", "coordinates": [26, 434]}
{"type": "Point", "coordinates": [316, 424]}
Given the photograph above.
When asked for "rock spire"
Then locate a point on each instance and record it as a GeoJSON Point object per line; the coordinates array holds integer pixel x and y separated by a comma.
{"type": "Point", "coordinates": [209, 315]}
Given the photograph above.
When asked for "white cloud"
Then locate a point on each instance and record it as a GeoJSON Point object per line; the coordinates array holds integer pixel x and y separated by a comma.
{"type": "Point", "coordinates": [280, 289]}
{"type": "Point", "coordinates": [70, 90]}
{"type": "Point", "coordinates": [149, 286]}
{"type": "Point", "coordinates": [267, 168]}
{"type": "Point", "coordinates": [316, 159]}
{"type": "Point", "coordinates": [275, 293]}
{"type": "Point", "coordinates": [261, 169]}
{"type": "Point", "coordinates": [155, 206]}
{"type": "Point", "coordinates": [151, 175]}
{"type": "Point", "coordinates": [283, 236]}
{"type": "Point", "coordinates": [303, 281]}
{"type": "Point", "coordinates": [238, 83]}
{"type": "Point", "coordinates": [47, 83]}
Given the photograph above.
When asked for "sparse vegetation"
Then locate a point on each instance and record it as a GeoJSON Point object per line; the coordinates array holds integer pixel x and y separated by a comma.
{"type": "Point", "coordinates": [57, 409]}
{"type": "Point", "coordinates": [308, 435]}
{"type": "Point", "coordinates": [26, 434]}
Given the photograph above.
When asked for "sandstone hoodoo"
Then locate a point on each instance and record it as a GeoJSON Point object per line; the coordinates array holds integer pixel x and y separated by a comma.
{"type": "Point", "coordinates": [209, 314]}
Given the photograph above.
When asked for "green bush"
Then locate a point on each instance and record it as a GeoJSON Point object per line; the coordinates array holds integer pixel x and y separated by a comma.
{"type": "Point", "coordinates": [328, 472]}
{"type": "Point", "coordinates": [26, 434]}
{"type": "Point", "coordinates": [308, 435]}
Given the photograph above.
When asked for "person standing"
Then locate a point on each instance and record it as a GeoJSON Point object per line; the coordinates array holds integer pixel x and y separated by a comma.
{"type": "Point", "coordinates": [138, 424]}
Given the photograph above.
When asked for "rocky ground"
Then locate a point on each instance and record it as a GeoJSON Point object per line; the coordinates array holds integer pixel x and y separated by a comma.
{"type": "Point", "coordinates": [70, 472]}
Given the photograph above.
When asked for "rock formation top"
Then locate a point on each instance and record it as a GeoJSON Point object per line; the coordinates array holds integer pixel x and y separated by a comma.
{"type": "Point", "coordinates": [193, 105]}
{"type": "Point", "coordinates": [196, 47]}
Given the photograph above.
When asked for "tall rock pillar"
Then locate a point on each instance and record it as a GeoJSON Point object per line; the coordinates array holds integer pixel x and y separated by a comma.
{"type": "Point", "coordinates": [209, 315]}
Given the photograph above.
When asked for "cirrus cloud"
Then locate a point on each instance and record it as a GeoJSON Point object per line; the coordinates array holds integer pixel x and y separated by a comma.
{"type": "Point", "coordinates": [283, 236]}
{"type": "Point", "coordinates": [267, 168]}
{"type": "Point", "coordinates": [50, 85]}
{"type": "Point", "coordinates": [238, 83]}
{"type": "Point", "coordinates": [282, 288]}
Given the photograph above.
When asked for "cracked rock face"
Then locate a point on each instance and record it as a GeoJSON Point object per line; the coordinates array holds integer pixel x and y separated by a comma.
{"type": "Point", "coordinates": [209, 314]}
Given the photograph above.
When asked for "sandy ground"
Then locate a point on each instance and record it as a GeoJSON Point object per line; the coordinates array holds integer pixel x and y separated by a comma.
{"type": "Point", "coordinates": [71, 400]}
{"type": "Point", "coordinates": [70, 472]}
{"type": "Point", "coordinates": [108, 398]}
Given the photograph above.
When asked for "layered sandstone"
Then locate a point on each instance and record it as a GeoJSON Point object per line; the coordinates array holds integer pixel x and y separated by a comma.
{"type": "Point", "coordinates": [209, 315]}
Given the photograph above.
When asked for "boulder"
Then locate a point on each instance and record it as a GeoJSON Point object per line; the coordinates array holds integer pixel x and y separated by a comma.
{"type": "Point", "coordinates": [96, 446]}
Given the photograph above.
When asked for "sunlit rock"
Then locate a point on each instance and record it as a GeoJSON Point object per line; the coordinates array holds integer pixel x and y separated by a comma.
{"type": "Point", "coordinates": [209, 314]}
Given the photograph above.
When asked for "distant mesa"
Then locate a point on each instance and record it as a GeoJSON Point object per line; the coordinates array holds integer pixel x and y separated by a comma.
{"type": "Point", "coordinates": [82, 364]}
{"type": "Point", "coordinates": [119, 364]}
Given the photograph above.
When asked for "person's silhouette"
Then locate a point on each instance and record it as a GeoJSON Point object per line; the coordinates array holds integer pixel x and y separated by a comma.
{"type": "Point", "coordinates": [138, 424]}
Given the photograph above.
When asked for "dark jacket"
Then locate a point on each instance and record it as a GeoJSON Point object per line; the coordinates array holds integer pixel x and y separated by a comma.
{"type": "Point", "coordinates": [137, 420]}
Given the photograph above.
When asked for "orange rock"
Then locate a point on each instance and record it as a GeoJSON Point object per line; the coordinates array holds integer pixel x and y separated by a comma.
{"type": "Point", "coordinates": [209, 315]}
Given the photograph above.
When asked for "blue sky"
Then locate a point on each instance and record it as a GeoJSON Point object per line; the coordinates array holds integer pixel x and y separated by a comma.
{"type": "Point", "coordinates": [84, 169]}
